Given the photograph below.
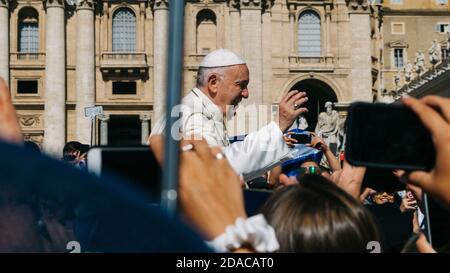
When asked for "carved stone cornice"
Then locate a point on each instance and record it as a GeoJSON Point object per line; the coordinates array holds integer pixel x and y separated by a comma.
{"type": "Point", "coordinates": [358, 5]}
{"type": "Point", "coordinates": [4, 3]}
{"type": "Point", "coordinates": [292, 13]}
{"type": "Point", "coordinates": [377, 11]}
{"type": "Point", "coordinates": [251, 4]}
{"type": "Point", "coordinates": [104, 118]}
{"type": "Point", "coordinates": [267, 5]}
{"type": "Point", "coordinates": [144, 117]}
{"type": "Point", "coordinates": [234, 5]}
{"type": "Point", "coordinates": [292, 10]}
{"type": "Point", "coordinates": [159, 4]}
{"type": "Point", "coordinates": [85, 4]}
{"type": "Point", "coordinates": [105, 9]}
{"type": "Point", "coordinates": [142, 9]}
{"type": "Point", "coordinates": [54, 3]}
{"type": "Point", "coordinates": [328, 11]}
{"type": "Point", "coordinates": [29, 120]}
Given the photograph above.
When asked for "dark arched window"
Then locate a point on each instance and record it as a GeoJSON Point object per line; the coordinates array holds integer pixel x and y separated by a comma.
{"type": "Point", "coordinates": [206, 31]}
{"type": "Point", "coordinates": [309, 36]}
{"type": "Point", "coordinates": [28, 31]}
{"type": "Point", "coordinates": [124, 30]}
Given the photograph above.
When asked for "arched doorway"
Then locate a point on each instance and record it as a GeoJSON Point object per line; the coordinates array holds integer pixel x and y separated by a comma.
{"type": "Point", "coordinates": [318, 93]}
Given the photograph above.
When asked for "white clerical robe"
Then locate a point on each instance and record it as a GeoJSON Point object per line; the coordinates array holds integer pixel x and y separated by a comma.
{"type": "Point", "coordinates": [259, 152]}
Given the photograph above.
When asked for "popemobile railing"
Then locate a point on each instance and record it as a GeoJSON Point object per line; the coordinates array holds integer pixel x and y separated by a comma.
{"type": "Point", "coordinates": [169, 195]}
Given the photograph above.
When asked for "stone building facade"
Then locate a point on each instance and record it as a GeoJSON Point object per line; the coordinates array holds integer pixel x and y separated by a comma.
{"type": "Point", "coordinates": [62, 56]}
{"type": "Point", "coordinates": [411, 27]}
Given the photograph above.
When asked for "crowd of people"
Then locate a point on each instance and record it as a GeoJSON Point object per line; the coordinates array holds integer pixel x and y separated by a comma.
{"type": "Point", "coordinates": [310, 206]}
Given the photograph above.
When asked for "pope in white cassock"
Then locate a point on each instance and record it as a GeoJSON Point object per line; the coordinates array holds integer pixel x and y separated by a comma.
{"type": "Point", "coordinates": [222, 81]}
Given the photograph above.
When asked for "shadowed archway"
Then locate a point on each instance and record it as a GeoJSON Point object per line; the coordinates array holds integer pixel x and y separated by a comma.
{"type": "Point", "coordinates": [318, 93]}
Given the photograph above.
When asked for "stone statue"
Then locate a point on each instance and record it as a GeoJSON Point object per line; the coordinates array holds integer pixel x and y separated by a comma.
{"type": "Point", "coordinates": [419, 63]}
{"type": "Point", "coordinates": [341, 135]}
{"type": "Point", "coordinates": [300, 123]}
{"type": "Point", "coordinates": [409, 72]}
{"type": "Point", "coordinates": [328, 126]}
{"type": "Point", "coordinates": [447, 44]}
{"type": "Point", "coordinates": [387, 97]}
{"type": "Point", "coordinates": [435, 52]}
{"type": "Point", "coordinates": [397, 79]}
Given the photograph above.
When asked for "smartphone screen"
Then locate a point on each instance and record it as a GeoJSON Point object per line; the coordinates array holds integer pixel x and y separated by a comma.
{"type": "Point", "coordinates": [387, 136]}
{"type": "Point", "coordinates": [136, 165]}
{"type": "Point", "coordinates": [301, 138]}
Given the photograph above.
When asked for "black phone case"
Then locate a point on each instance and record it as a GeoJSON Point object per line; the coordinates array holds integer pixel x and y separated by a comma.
{"type": "Point", "coordinates": [301, 138]}
{"type": "Point", "coordinates": [349, 142]}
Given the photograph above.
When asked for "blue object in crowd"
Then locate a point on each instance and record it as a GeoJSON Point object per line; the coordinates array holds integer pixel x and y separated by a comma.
{"type": "Point", "coordinates": [299, 154]}
{"type": "Point", "coordinates": [236, 138]}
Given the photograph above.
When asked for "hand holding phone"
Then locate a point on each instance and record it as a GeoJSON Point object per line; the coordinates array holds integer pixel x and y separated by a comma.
{"type": "Point", "coordinates": [302, 138]}
{"type": "Point", "coordinates": [434, 113]}
{"type": "Point", "coordinates": [319, 143]}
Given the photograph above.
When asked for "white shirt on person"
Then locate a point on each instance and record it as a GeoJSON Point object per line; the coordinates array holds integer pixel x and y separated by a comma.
{"type": "Point", "coordinates": [259, 152]}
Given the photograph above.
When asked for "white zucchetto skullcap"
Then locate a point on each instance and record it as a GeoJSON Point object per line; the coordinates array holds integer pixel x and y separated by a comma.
{"type": "Point", "coordinates": [221, 57]}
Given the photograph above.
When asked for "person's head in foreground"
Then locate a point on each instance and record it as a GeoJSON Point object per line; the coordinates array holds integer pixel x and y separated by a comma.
{"type": "Point", "coordinates": [317, 216]}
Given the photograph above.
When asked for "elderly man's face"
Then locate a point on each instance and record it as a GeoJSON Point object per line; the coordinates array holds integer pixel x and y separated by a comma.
{"type": "Point", "coordinates": [233, 87]}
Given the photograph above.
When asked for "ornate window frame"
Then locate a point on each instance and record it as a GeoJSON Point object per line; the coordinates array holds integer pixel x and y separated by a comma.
{"type": "Point", "coordinates": [136, 14]}
{"type": "Point", "coordinates": [14, 25]}
{"type": "Point", "coordinates": [398, 45]}
{"type": "Point", "coordinates": [322, 30]}
{"type": "Point", "coordinates": [35, 20]}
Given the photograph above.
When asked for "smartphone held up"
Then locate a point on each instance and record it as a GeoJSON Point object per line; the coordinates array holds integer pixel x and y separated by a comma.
{"type": "Point", "coordinates": [136, 165]}
{"type": "Point", "coordinates": [387, 136]}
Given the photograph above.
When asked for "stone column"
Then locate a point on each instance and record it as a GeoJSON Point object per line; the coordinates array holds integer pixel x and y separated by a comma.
{"type": "Point", "coordinates": [292, 32]}
{"type": "Point", "coordinates": [360, 56]}
{"type": "Point", "coordinates": [251, 46]}
{"type": "Point", "coordinates": [161, 43]}
{"type": "Point", "coordinates": [107, 46]}
{"type": "Point", "coordinates": [55, 79]}
{"type": "Point", "coordinates": [141, 25]}
{"type": "Point", "coordinates": [4, 40]}
{"type": "Point", "coordinates": [104, 129]}
{"type": "Point", "coordinates": [327, 31]}
{"type": "Point", "coordinates": [145, 128]}
{"type": "Point", "coordinates": [378, 45]}
{"type": "Point", "coordinates": [267, 51]}
{"type": "Point", "coordinates": [235, 26]}
{"type": "Point", "coordinates": [85, 70]}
